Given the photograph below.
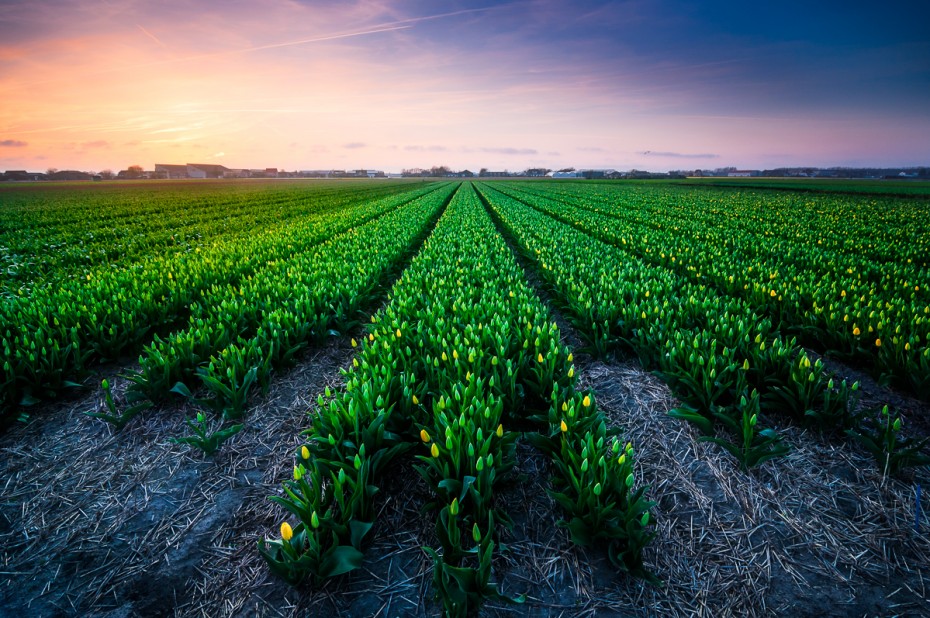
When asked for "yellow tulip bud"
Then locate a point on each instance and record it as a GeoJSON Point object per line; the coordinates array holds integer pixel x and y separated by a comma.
{"type": "Point", "coordinates": [286, 532]}
{"type": "Point", "coordinates": [415, 401]}
{"type": "Point", "coordinates": [586, 402]}
{"type": "Point", "coordinates": [563, 426]}
{"type": "Point", "coordinates": [434, 450]}
{"type": "Point", "coordinates": [305, 452]}
{"type": "Point", "coordinates": [500, 431]}
{"type": "Point", "coordinates": [424, 435]}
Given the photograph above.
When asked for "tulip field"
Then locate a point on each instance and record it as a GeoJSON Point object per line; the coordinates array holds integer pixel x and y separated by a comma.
{"type": "Point", "coordinates": [472, 311]}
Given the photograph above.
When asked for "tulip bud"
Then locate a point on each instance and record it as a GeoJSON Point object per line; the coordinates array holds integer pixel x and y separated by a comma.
{"type": "Point", "coordinates": [315, 520]}
{"type": "Point", "coordinates": [286, 532]}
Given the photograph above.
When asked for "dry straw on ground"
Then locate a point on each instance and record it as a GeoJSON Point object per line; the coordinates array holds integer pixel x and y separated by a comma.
{"type": "Point", "coordinates": [131, 524]}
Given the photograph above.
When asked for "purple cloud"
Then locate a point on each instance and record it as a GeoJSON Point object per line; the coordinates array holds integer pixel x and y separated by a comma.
{"type": "Point", "coordinates": [12, 143]}
{"type": "Point", "coordinates": [678, 155]}
{"type": "Point", "coordinates": [509, 151]}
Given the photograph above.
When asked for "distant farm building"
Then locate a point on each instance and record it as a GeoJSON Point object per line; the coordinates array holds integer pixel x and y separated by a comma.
{"type": "Point", "coordinates": [206, 170]}
{"type": "Point", "coordinates": [171, 172]}
{"type": "Point", "coordinates": [742, 173]}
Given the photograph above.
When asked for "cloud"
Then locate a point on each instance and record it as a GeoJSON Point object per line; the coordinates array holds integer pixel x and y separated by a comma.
{"type": "Point", "coordinates": [509, 151]}
{"type": "Point", "coordinates": [354, 145]}
{"type": "Point", "coordinates": [591, 149]}
{"type": "Point", "coordinates": [13, 143]}
{"type": "Point", "coordinates": [96, 144]}
{"type": "Point", "coordinates": [678, 155]}
{"type": "Point", "coordinates": [425, 148]}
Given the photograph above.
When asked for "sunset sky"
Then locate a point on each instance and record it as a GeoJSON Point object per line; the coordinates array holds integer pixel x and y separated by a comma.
{"type": "Point", "coordinates": [390, 84]}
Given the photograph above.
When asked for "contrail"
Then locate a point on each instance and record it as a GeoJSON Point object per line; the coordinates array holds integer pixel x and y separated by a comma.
{"type": "Point", "coordinates": [151, 36]}
{"type": "Point", "coordinates": [226, 52]}
{"type": "Point", "coordinates": [331, 37]}
{"type": "Point", "coordinates": [402, 24]}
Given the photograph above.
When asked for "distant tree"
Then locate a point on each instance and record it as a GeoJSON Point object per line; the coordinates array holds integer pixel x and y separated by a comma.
{"type": "Point", "coordinates": [106, 174]}
{"type": "Point", "coordinates": [134, 171]}
{"type": "Point", "coordinates": [483, 172]}
{"type": "Point", "coordinates": [51, 170]}
{"type": "Point", "coordinates": [567, 169]}
{"type": "Point", "coordinates": [439, 171]}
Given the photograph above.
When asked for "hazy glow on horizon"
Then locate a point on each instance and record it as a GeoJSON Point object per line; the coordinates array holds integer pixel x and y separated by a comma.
{"type": "Point", "coordinates": [389, 84]}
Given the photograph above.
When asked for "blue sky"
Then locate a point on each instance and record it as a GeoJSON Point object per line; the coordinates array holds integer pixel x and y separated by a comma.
{"type": "Point", "coordinates": [390, 84]}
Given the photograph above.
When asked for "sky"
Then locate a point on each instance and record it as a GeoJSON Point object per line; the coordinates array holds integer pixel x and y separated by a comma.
{"type": "Point", "coordinates": [393, 84]}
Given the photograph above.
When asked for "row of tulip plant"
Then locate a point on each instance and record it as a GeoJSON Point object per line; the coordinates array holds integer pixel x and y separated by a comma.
{"type": "Point", "coordinates": [52, 234]}
{"type": "Point", "coordinates": [857, 291]}
{"type": "Point", "coordinates": [233, 343]}
{"type": "Point", "coordinates": [725, 362]}
{"type": "Point", "coordinates": [461, 362]}
{"type": "Point", "coordinates": [51, 336]}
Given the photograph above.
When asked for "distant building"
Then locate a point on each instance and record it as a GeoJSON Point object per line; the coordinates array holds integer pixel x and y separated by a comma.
{"type": "Point", "coordinates": [171, 172]}
{"type": "Point", "coordinates": [206, 170]}
{"type": "Point", "coordinates": [742, 173]}
{"type": "Point", "coordinates": [22, 175]}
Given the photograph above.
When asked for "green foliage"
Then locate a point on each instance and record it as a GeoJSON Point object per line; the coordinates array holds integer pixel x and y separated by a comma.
{"type": "Point", "coordinates": [462, 578]}
{"type": "Point", "coordinates": [114, 416]}
{"type": "Point", "coordinates": [892, 452]}
{"type": "Point", "coordinates": [842, 273]}
{"type": "Point", "coordinates": [754, 446]}
{"type": "Point", "coordinates": [619, 282]}
{"type": "Point", "coordinates": [463, 354]}
{"type": "Point", "coordinates": [81, 303]}
{"type": "Point", "coordinates": [204, 438]}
